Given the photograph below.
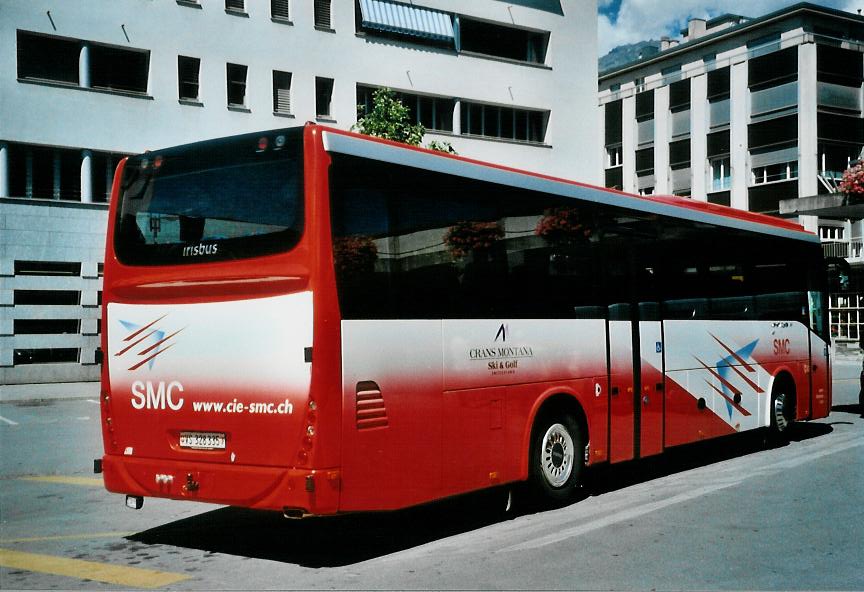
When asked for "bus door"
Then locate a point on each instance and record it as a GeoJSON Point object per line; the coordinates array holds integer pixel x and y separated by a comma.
{"type": "Point", "coordinates": [636, 378]}
{"type": "Point", "coordinates": [622, 426]}
{"type": "Point", "coordinates": [649, 407]}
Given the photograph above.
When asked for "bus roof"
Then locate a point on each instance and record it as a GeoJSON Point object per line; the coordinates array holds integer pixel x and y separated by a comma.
{"type": "Point", "coordinates": [354, 144]}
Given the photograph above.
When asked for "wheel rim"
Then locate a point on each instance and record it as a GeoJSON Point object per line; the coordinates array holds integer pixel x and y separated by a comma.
{"type": "Point", "coordinates": [556, 455]}
{"type": "Point", "coordinates": [780, 419]}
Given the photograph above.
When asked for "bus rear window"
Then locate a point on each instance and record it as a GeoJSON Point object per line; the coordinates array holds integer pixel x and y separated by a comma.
{"type": "Point", "coordinates": [221, 199]}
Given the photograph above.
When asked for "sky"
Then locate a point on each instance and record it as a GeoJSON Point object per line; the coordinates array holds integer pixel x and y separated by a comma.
{"type": "Point", "coordinates": [627, 21]}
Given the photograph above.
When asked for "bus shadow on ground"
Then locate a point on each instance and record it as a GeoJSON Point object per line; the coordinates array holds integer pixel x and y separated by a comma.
{"type": "Point", "coordinates": [342, 540]}
{"type": "Point", "coordinates": [332, 541]}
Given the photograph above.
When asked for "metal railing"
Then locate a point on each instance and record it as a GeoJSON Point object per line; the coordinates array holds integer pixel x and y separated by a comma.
{"type": "Point", "coordinates": [845, 249]}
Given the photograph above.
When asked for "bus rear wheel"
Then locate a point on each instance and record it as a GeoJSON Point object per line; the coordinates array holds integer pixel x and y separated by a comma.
{"type": "Point", "coordinates": [557, 446]}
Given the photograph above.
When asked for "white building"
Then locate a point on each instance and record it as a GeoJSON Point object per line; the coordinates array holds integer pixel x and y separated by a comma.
{"type": "Point", "coordinates": [83, 83]}
{"type": "Point", "coordinates": [762, 114]}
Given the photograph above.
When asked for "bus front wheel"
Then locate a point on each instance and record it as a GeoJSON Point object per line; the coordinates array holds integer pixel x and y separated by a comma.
{"type": "Point", "coordinates": [557, 446]}
{"type": "Point", "coordinates": [782, 412]}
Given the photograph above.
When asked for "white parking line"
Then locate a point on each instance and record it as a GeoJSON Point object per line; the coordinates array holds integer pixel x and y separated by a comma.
{"type": "Point", "coordinates": [94, 401]}
{"type": "Point", "coordinates": [8, 421]}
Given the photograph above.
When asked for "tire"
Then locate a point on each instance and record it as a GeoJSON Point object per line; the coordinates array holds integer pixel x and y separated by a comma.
{"type": "Point", "coordinates": [557, 458]}
{"type": "Point", "coordinates": [782, 412]}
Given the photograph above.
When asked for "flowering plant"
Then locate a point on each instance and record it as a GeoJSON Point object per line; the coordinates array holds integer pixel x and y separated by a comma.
{"type": "Point", "coordinates": [562, 225]}
{"type": "Point", "coordinates": [853, 180]}
{"type": "Point", "coordinates": [466, 237]}
{"type": "Point", "coordinates": [354, 254]}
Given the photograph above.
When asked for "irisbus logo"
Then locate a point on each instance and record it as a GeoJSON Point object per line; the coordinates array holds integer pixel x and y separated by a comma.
{"type": "Point", "coordinates": [145, 342]}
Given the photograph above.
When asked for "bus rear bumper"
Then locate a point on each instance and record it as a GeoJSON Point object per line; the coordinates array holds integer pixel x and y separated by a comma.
{"type": "Point", "coordinates": [265, 488]}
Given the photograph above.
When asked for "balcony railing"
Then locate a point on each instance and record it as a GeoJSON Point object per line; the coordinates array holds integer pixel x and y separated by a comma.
{"type": "Point", "coordinates": [845, 249]}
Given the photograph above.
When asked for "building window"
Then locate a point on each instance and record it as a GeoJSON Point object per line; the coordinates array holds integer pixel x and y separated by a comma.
{"type": "Point", "coordinates": [773, 69]}
{"type": "Point", "coordinates": [49, 268]}
{"type": "Point", "coordinates": [613, 156]}
{"type": "Point", "coordinates": [323, 97]}
{"type": "Point", "coordinates": [281, 92]}
{"type": "Point", "coordinates": [55, 173]}
{"type": "Point", "coordinates": [645, 117]}
{"type": "Point", "coordinates": [503, 42]}
{"type": "Point", "coordinates": [59, 59]}
{"type": "Point", "coordinates": [236, 76]}
{"type": "Point", "coordinates": [280, 9]}
{"type": "Point", "coordinates": [114, 68]}
{"type": "Point", "coordinates": [46, 326]}
{"type": "Point", "coordinates": [721, 173]}
{"type": "Point", "coordinates": [46, 297]}
{"type": "Point", "coordinates": [782, 171]}
{"type": "Point", "coordinates": [53, 59]}
{"type": "Point", "coordinates": [831, 233]}
{"type": "Point", "coordinates": [235, 6]}
{"type": "Point", "coordinates": [55, 355]}
{"type": "Point", "coordinates": [187, 78]}
{"type": "Point", "coordinates": [506, 123]}
{"type": "Point", "coordinates": [645, 161]}
{"type": "Point", "coordinates": [433, 113]}
{"type": "Point", "coordinates": [322, 15]}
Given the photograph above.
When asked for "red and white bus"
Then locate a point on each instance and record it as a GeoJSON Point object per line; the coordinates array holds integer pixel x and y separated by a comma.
{"type": "Point", "coordinates": [313, 321]}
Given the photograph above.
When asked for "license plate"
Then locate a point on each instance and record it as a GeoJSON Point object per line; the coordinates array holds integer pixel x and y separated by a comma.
{"type": "Point", "coordinates": [202, 440]}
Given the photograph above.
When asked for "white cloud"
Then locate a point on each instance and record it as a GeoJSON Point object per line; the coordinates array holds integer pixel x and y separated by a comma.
{"type": "Point", "coordinates": [640, 20]}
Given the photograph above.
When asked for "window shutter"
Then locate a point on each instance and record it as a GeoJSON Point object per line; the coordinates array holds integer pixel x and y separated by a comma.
{"type": "Point", "coordinates": [235, 5]}
{"type": "Point", "coordinates": [281, 92]}
{"type": "Point", "coordinates": [279, 9]}
{"type": "Point", "coordinates": [322, 14]}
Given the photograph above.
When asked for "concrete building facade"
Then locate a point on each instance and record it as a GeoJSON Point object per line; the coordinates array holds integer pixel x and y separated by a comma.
{"type": "Point", "coordinates": [759, 114]}
{"type": "Point", "coordinates": [84, 83]}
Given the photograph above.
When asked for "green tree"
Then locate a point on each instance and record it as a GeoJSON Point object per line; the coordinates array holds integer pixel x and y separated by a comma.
{"type": "Point", "coordinates": [390, 119]}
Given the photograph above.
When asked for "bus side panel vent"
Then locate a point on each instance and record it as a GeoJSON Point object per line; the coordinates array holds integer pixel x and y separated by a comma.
{"type": "Point", "coordinates": [371, 411]}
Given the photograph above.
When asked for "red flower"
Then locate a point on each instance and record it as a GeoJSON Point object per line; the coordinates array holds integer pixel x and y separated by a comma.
{"type": "Point", "coordinates": [853, 180]}
{"type": "Point", "coordinates": [354, 254]}
{"type": "Point", "coordinates": [465, 237]}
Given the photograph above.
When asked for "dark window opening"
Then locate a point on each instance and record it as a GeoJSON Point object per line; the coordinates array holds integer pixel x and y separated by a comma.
{"type": "Point", "coordinates": [506, 123]}
{"type": "Point", "coordinates": [53, 268]}
{"type": "Point", "coordinates": [323, 97]}
{"type": "Point", "coordinates": [679, 154]}
{"type": "Point", "coordinates": [645, 105]}
{"type": "Point", "coordinates": [773, 69]}
{"type": "Point", "coordinates": [48, 58]}
{"type": "Point", "coordinates": [718, 83]}
{"type": "Point", "coordinates": [188, 70]}
{"type": "Point", "coordinates": [765, 199]}
{"type": "Point", "coordinates": [113, 68]}
{"type": "Point", "coordinates": [235, 5]}
{"type": "Point", "coordinates": [679, 95]}
{"type": "Point", "coordinates": [645, 161]}
{"type": "Point", "coordinates": [781, 130]}
{"type": "Point", "coordinates": [61, 355]}
{"type": "Point", "coordinates": [47, 297]}
{"type": "Point", "coordinates": [236, 89]}
{"type": "Point", "coordinates": [46, 326]}
{"type": "Point", "coordinates": [503, 42]}
{"type": "Point", "coordinates": [836, 65]}
{"type": "Point", "coordinates": [615, 178]}
{"type": "Point", "coordinates": [840, 128]}
{"type": "Point", "coordinates": [718, 144]}
{"type": "Point", "coordinates": [614, 122]}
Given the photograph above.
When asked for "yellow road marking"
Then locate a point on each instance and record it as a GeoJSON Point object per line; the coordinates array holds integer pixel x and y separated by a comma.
{"type": "Point", "coordinates": [67, 537]}
{"type": "Point", "coordinates": [134, 577]}
{"type": "Point", "coordinates": [85, 481]}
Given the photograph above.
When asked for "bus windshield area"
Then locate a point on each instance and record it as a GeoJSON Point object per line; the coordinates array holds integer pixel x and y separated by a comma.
{"type": "Point", "coordinates": [222, 199]}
